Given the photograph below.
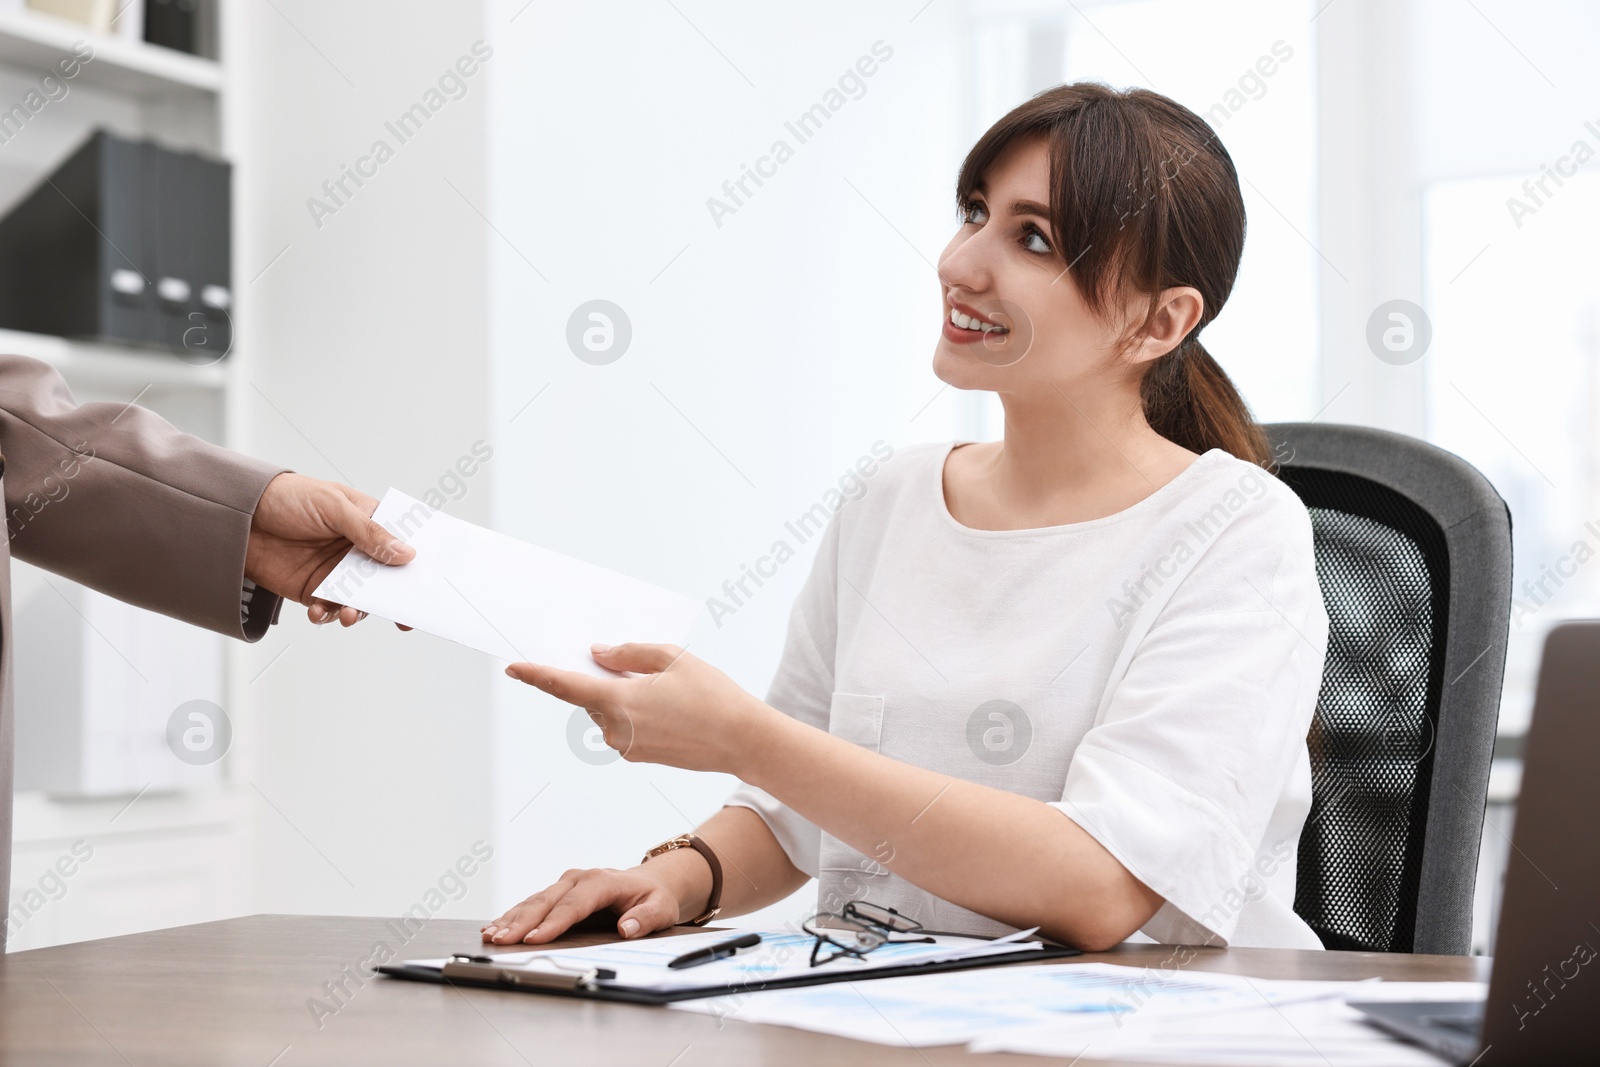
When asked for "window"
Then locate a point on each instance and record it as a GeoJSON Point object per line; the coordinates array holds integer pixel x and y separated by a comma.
{"type": "Point", "coordinates": [1514, 384]}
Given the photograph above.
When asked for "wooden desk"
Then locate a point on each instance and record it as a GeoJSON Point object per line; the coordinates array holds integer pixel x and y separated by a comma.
{"type": "Point", "coordinates": [236, 993]}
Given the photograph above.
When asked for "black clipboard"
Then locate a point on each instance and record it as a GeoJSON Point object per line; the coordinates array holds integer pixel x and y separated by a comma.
{"type": "Point", "coordinates": [482, 972]}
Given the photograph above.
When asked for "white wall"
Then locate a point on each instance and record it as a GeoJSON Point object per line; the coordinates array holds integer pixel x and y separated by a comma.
{"type": "Point", "coordinates": [410, 325]}
{"type": "Point", "coordinates": [770, 354]}
{"type": "Point", "coordinates": [361, 756]}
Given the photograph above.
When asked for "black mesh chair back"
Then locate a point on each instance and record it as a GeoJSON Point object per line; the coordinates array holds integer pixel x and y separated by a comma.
{"type": "Point", "coordinates": [1413, 550]}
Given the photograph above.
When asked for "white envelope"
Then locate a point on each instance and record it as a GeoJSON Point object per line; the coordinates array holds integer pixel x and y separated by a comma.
{"type": "Point", "coordinates": [502, 596]}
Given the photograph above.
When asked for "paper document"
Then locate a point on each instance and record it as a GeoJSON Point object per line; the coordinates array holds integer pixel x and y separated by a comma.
{"type": "Point", "coordinates": [1081, 1002]}
{"type": "Point", "coordinates": [1097, 1011]}
{"type": "Point", "coordinates": [502, 596]}
{"type": "Point", "coordinates": [642, 965]}
{"type": "Point", "coordinates": [1323, 1032]}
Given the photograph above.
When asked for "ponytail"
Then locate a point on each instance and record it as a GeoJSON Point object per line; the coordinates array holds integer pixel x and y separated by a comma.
{"type": "Point", "coordinates": [1189, 399]}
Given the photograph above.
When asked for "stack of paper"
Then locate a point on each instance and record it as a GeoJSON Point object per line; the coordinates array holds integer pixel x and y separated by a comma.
{"type": "Point", "coordinates": [963, 1006]}
{"type": "Point", "coordinates": [1318, 1032]}
{"type": "Point", "coordinates": [1102, 1011]}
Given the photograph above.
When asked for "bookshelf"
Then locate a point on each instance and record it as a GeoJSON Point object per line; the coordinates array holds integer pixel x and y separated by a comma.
{"type": "Point", "coordinates": [32, 42]}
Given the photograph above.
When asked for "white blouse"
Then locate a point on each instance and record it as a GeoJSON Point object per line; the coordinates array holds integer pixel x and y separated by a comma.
{"type": "Point", "coordinates": [1152, 674]}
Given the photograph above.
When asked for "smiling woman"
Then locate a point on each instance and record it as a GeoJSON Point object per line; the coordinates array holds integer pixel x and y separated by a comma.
{"type": "Point", "coordinates": [1152, 775]}
{"type": "Point", "coordinates": [1129, 231]}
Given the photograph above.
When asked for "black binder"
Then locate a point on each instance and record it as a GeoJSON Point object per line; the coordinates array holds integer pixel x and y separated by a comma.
{"type": "Point", "coordinates": [128, 242]}
{"type": "Point", "coordinates": [186, 223]}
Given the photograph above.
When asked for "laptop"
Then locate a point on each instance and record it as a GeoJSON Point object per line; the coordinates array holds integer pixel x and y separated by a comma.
{"type": "Point", "coordinates": [1544, 990]}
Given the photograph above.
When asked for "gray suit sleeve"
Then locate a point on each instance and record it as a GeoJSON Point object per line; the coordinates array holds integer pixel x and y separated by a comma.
{"type": "Point", "coordinates": [114, 497]}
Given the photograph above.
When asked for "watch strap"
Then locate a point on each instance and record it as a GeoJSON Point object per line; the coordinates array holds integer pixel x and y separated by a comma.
{"type": "Point", "coordinates": [714, 902]}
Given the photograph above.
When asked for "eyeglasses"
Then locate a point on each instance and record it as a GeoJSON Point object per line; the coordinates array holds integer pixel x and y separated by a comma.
{"type": "Point", "coordinates": [858, 929]}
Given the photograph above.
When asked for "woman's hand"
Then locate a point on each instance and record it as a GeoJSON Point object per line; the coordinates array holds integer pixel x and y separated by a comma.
{"type": "Point", "coordinates": [647, 902]}
{"type": "Point", "coordinates": [685, 714]}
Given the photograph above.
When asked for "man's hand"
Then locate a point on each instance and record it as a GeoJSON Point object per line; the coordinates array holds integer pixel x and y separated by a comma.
{"type": "Point", "coordinates": [302, 528]}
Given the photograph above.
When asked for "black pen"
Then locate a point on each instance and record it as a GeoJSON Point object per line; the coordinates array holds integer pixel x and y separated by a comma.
{"type": "Point", "coordinates": [715, 952]}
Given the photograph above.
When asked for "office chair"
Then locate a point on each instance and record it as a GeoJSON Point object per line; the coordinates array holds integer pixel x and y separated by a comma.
{"type": "Point", "coordinates": [1413, 551]}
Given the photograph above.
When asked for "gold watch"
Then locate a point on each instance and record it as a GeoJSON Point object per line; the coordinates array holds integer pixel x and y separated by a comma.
{"type": "Point", "coordinates": [714, 904]}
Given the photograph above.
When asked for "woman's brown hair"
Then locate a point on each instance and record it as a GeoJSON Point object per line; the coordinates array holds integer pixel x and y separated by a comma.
{"type": "Point", "coordinates": [1142, 195]}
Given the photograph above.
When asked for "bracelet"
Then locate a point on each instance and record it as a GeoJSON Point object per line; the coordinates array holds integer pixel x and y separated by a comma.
{"type": "Point", "coordinates": [714, 904]}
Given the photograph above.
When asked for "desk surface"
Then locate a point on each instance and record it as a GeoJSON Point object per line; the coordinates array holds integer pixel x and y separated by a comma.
{"type": "Point", "coordinates": [237, 992]}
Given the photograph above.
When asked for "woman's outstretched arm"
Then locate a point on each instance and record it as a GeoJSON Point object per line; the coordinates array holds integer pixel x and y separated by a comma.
{"type": "Point", "coordinates": [1006, 856]}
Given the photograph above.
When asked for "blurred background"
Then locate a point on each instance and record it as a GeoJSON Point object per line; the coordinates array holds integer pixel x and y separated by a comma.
{"type": "Point", "coordinates": [427, 206]}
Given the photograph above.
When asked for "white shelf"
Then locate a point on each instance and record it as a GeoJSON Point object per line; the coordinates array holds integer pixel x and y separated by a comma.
{"type": "Point", "coordinates": [35, 42]}
{"type": "Point", "coordinates": [111, 366]}
{"type": "Point", "coordinates": [41, 820]}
